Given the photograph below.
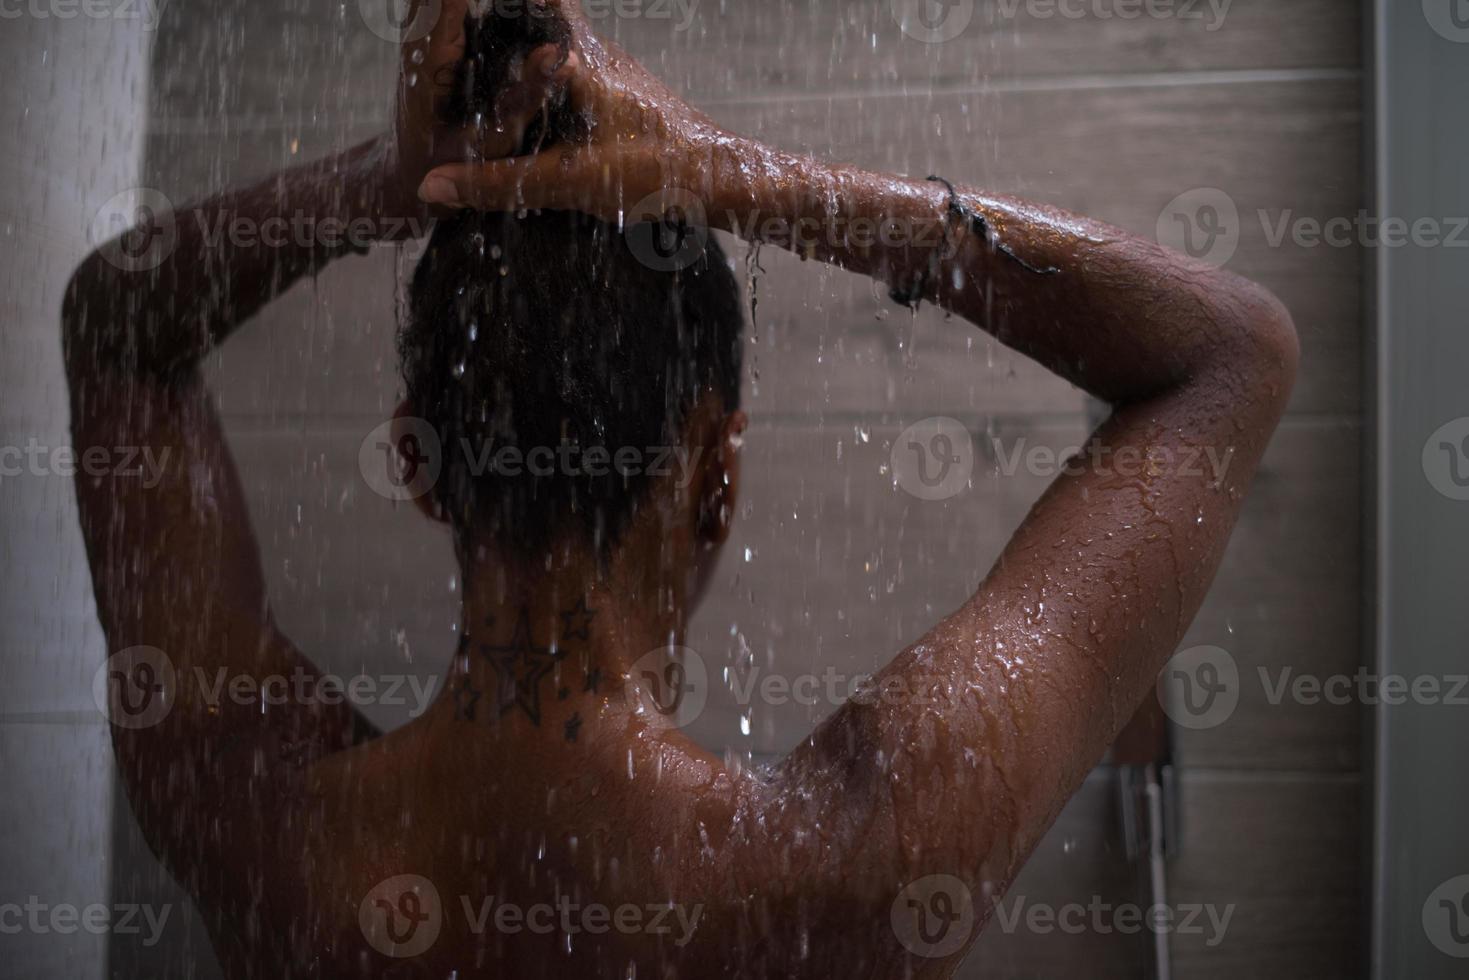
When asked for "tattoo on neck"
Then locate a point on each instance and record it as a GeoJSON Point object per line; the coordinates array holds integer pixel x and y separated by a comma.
{"type": "Point", "coordinates": [522, 666]}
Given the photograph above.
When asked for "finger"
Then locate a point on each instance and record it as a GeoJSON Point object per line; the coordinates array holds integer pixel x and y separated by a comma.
{"type": "Point", "coordinates": [446, 40]}
{"type": "Point", "coordinates": [428, 64]}
{"type": "Point", "coordinates": [543, 73]}
{"type": "Point", "coordinates": [541, 181]}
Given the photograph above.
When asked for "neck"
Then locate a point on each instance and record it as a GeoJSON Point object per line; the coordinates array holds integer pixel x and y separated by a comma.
{"type": "Point", "coordinates": [545, 650]}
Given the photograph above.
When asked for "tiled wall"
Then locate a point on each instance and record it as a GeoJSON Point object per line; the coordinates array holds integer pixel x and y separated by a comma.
{"type": "Point", "coordinates": [831, 564]}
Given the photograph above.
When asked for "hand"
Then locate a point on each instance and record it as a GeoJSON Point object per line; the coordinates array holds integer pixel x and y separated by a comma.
{"type": "Point", "coordinates": [644, 140]}
{"type": "Point", "coordinates": [424, 135]}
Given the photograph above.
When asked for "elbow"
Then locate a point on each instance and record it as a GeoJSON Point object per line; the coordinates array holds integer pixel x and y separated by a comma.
{"type": "Point", "coordinates": [74, 315]}
{"type": "Point", "coordinates": [1275, 345]}
{"type": "Point", "coordinates": [1256, 343]}
{"type": "Point", "coordinates": [89, 317]}
{"type": "Point", "coordinates": [86, 282]}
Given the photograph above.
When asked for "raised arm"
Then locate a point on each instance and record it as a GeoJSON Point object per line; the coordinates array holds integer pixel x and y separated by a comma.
{"type": "Point", "coordinates": [1005, 706]}
{"type": "Point", "coordinates": [175, 565]}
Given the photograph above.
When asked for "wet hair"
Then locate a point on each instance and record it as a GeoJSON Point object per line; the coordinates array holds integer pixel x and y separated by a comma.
{"type": "Point", "coordinates": [541, 332]}
{"type": "Point", "coordinates": [545, 333]}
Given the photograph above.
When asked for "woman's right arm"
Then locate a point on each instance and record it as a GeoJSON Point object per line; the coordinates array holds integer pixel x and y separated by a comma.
{"type": "Point", "coordinates": [1003, 707]}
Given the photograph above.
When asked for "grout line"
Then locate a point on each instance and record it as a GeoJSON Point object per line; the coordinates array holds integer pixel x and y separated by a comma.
{"type": "Point", "coordinates": [1068, 83]}
{"type": "Point", "coordinates": [160, 125]}
{"type": "Point", "coordinates": [301, 424]}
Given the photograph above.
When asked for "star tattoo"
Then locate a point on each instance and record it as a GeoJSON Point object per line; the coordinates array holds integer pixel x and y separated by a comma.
{"type": "Point", "coordinates": [521, 666]}
{"type": "Point", "coordinates": [576, 622]}
{"type": "Point", "coordinates": [466, 699]}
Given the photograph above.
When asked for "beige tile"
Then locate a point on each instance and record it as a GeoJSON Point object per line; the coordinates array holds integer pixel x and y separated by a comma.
{"type": "Point", "coordinates": [1285, 852]}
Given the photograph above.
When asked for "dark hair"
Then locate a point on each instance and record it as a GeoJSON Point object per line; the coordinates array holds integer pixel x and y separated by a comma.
{"type": "Point", "coordinates": [547, 331]}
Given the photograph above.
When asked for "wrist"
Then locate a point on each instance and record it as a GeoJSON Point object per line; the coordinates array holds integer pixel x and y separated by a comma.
{"type": "Point", "coordinates": [378, 193]}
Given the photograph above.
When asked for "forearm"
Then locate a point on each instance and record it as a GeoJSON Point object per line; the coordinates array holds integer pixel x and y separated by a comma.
{"type": "Point", "coordinates": [1116, 315]}
{"type": "Point", "coordinates": [221, 261]}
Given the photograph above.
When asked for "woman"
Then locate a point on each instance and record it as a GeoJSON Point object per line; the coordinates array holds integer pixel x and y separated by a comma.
{"type": "Point", "coordinates": [538, 819]}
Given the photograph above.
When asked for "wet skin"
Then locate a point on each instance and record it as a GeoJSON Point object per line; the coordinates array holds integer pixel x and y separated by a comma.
{"type": "Point", "coordinates": [281, 824]}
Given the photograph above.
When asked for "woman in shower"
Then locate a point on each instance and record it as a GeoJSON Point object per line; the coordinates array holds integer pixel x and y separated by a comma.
{"type": "Point", "coordinates": [537, 820]}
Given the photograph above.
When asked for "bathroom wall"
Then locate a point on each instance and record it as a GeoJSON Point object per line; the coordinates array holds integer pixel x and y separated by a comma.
{"type": "Point", "coordinates": [1142, 122]}
{"type": "Point", "coordinates": [72, 117]}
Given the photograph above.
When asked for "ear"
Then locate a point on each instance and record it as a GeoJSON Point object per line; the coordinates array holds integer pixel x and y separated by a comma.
{"type": "Point", "coordinates": [719, 484]}
{"type": "Point", "coordinates": [409, 429]}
